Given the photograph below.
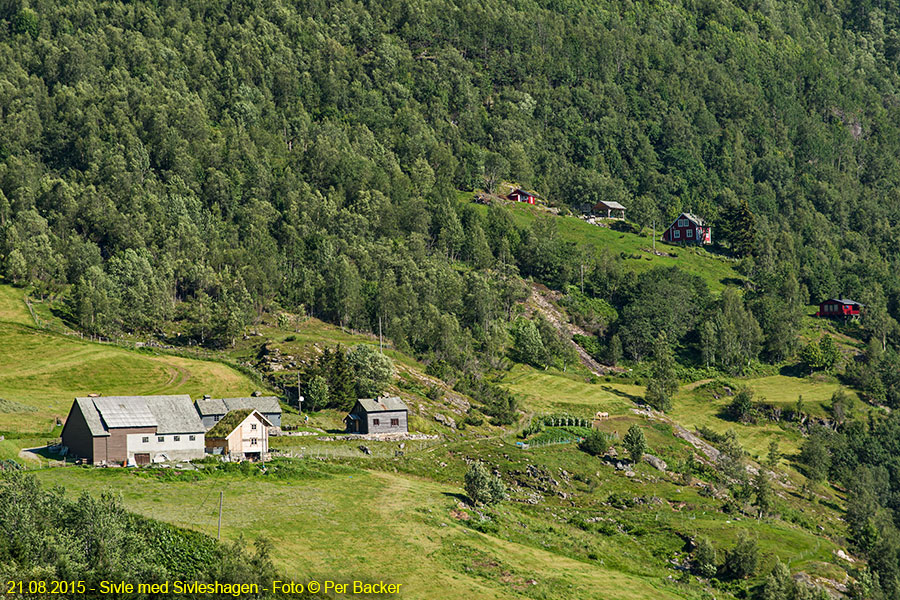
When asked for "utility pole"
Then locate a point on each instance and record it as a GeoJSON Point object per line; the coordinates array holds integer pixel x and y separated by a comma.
{"type": "Point", "coordinates": [380, 337]}
{"type": "Point", "coordinates": [219, 531]}
{"type": "Point", "coordinates": [654, 236]}
{"type": "Point", "coordinates": [299, 396]}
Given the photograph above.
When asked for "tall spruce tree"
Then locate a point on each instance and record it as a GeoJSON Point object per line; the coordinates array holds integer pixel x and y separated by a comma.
{"type": "Point", "coordinates": [663, 380]}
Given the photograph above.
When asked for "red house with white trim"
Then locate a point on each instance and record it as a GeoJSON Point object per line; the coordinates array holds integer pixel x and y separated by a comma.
{"type": "Point", "coordinates": [520, 195]}
{"type": "Point", "coordinates": [688, 229]}
{"type": "Point", "coordinates": [839, 308]}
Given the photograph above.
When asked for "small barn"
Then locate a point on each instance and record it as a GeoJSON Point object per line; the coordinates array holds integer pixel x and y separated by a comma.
{"type": "Point", "coordinates": [212, 410]}
{"type": "Point", "coordinates": [839, 308]}
{"type": "Point", "coordinates": [520, 195]}
{"type": "Point", "coordinates": [688, 229]}
{"type": "Point", "coordinates": [609, 210]}
{"type": "Point", "coordinates": [378, 415]}
{"type": "Point", "coordinates": [133, 429]}
{"type": "Point", "coordinates": [240, 435]}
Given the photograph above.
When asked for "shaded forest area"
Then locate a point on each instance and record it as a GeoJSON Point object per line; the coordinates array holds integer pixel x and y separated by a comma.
{"type": "Point", "coordinates": [195, 164]}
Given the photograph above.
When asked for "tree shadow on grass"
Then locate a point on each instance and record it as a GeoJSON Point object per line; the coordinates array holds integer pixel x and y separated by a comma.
{"type": "Point", "coordinates": [732, 281]}
{"type": "Point", "coordinates": [621, 394]}
{"type": "Point", "coordinates": [457, 496]}
{"type": "Point", "coordinates": [796, 370]}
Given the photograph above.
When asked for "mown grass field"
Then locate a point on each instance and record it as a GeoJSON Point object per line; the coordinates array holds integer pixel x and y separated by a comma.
{"type": "Point", "coordinates": [46, 371]}
{"type": "Point", "coordinates": [12, 306]}
{"type": "Point", "coordinates": [546, 392]}
{"type": "Point", "coordinates": [372, 526]}
{"type": "Point", "coordinates": [715, 270]}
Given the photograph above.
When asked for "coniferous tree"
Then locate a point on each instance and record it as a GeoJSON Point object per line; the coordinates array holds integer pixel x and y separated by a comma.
{"type": "Point", "coordinates": [742, 560]}
{"type": "Point", "coordinates": [635, 443]}
{"type": "Point", "coordinates": [762, 489]}
{"type": "Point", "coordinates": [663, 381]}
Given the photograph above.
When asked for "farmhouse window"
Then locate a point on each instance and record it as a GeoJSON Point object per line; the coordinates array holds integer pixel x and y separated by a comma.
{"type": "Point", "coordinates": [145, 440]}
{"type": "Point", "coordinates": [161, 438]}
{"type": "Point", "coordinates": [690, 233]}
{"type": "Point", "coordinates": [177, 438]}
{"type": "Point", "coordinates": [217, 417]}
{"type": "Point", "coordinates": [376, 422]}
{"type": "Point", "coordinates": [253, 426]}
{"type": "Point", "coordinates": [682, 222]}
{"type": "Point", "coordinates": [677, 234]}
{"type": "Point", "coordinates": [192, 438]}
{"type": "Point", "coordinates": [252, 441]}
{"type": "Point", "coordinates": [395, 422]}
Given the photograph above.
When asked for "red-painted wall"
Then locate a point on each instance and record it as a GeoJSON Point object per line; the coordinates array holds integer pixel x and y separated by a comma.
{"type": "Point", "coordinates": [687, 234]}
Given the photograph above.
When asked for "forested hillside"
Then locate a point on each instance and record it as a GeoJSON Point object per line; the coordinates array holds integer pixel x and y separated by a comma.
{"type": "Point", "coordinates": [203, 162]}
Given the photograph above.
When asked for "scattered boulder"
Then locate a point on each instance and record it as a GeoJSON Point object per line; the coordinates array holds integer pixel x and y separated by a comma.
{"type": "Point", "coordinates": [655, 462]}
{"type": "Point", "coordinates": [447, 421]}
{"type": "Point", "coordinates": [365, 450]}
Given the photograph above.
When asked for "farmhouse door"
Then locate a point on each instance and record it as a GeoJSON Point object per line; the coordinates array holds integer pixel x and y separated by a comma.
{"type": "Point", "coordinates": [142, 460]}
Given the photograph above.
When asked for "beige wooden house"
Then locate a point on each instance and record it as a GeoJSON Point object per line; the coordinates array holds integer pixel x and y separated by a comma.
{"type": "Point", "coordinates": [240, 435]}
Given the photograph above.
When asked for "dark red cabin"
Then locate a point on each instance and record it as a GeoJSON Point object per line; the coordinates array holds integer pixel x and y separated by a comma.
{"type": "Point", "coordinates": [520, 195]}
{"type": "Point", "coordinates": [839, 308]}
{"type": "Point", "coordinates": [688, 229]}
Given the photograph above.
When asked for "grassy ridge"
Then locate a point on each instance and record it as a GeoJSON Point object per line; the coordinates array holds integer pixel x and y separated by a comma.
{"type": "Point", "coordinates": [715, 270]}
{"type": "Point", "coordinates": [46, 371]}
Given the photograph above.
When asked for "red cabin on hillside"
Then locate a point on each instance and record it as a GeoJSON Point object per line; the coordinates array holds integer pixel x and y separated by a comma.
{"type": "Point", "coordinates": [688, 229]}
{"type": "Point", "coordinates": [839, 308]}
{"type": "Point", "coordinates": [520, 195]}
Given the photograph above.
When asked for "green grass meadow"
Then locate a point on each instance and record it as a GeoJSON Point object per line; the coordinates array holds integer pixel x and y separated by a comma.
{"type": "Point", "coordinates": [715, 270]}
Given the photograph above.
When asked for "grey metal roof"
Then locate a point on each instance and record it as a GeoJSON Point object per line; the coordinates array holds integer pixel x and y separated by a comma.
{"type": "Point", "coordinates": [382, 404]}
{"type": "Point", "coordinates": [614, 205]}
{"type": "Point", "coordinates": [91, 416]}
{"type": "Point", "coordinates": [175, 414]}
{"type": "Point", "coordinates": [845, 301]}
{"type": "Point", "coordinates": [221, 406]}
{"type": "Point", "coordinates": [124, 411]}
{"type": "Point", "coordinates": [169, 414]}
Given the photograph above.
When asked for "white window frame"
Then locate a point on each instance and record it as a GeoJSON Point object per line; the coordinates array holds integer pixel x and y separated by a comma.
{"type": "Point", "coordinates": [145, 440]}
{"type": "Point", "coordinates": [689, 233]}
{"type": "Point", "coordinates": [192, 438]}
{"type": "Point", "coordinates": [676, 234]}
{"type": "Point", "coordinates": [160, 438]}
{"type": "Point", "coordinates": [252, 426]}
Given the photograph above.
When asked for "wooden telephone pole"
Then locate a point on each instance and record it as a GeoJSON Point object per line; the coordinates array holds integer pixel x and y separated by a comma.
{"type": "Point", "coordinates": [219, 530]}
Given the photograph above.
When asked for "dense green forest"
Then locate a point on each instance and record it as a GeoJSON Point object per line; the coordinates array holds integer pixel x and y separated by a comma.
{"type": "Point", "coordinates": [203, 162]}
{"type": "Point", "coordinates": [190, 166]}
